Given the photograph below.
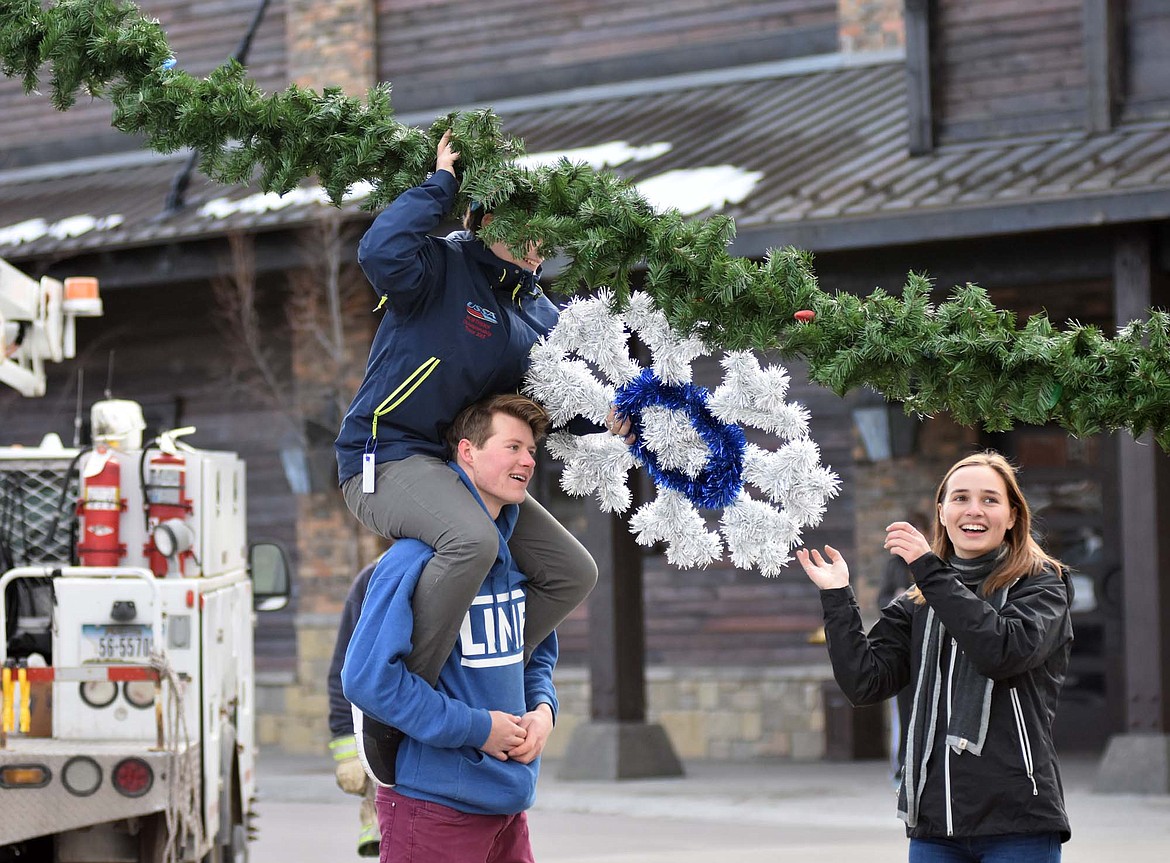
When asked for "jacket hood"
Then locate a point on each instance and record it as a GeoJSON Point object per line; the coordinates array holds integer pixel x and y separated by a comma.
{"type": "Point", "coordinates": [501, 273]}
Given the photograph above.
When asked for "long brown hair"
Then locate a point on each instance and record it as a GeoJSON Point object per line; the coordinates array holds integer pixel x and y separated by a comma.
{"type": "Point", "coordinates": [1024, 555]}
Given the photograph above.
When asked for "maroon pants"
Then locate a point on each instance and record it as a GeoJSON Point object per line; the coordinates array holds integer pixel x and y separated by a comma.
{"type": "Point", "coordinates": [418, 831]}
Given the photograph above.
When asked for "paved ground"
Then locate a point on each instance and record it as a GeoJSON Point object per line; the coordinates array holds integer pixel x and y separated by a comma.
{"type": "Point", "coordinates": [718, 813]}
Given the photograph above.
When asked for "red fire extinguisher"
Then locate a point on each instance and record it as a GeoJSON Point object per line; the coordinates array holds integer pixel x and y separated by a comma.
{"type": "Point", "coordinates": [101, 508]}
{"type": "Point", "coordinates": [166, 500]}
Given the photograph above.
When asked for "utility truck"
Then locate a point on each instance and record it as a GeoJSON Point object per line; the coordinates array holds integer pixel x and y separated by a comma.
{"type": "Point", "coordinates": [128, 592]}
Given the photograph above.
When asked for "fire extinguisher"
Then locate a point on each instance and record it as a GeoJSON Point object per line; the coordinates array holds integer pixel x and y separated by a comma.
{"type": "Point", "coordinates": [100, 509]}
{"type": "Point", "coordinates": [165, 491]}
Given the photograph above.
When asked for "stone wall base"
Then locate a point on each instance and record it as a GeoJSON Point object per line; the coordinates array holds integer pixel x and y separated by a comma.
{"type": "Point", "coordinates": [1135, 763]}
{"type": "Point", "coordinates": [723, 713]}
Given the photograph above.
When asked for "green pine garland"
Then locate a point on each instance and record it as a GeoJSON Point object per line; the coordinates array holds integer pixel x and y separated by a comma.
{"type": "Point", "coordinates": [963, 356]}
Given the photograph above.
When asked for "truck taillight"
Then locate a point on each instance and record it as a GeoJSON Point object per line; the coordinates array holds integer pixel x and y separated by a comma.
{"type": "Point", "coordinates": [132, 777]}
{"type": "Point", "coordinates": [81, 776]}
{"type": "Point", "coordinates": [98, 693]}
{"type": "Point", "coordinates": [139, 693]}
{"type": "Point", "coordinates": [24, 776]}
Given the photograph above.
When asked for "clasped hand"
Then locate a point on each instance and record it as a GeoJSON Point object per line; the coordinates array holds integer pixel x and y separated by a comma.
{"type": "Point", "coordinates": [519, 738]}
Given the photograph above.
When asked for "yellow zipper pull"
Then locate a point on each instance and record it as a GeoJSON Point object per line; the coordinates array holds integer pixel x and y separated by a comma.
{"type": "Point", "coordinates": [381, 302]}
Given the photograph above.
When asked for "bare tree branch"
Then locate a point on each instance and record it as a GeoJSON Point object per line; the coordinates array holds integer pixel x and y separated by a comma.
{"type": "Point", "coordinates": [252, 361]}
{"type": "Point", "coordinates": [329, 286]}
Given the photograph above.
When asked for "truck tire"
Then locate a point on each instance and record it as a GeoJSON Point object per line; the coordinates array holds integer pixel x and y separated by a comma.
{"type": "Point", "coordinates": [231, 845]}
{"type": "Point", "coordinates": [152, 839]}
{"type": "Point", "coordinates": [232, 848]}
{"type": "Point", "coordinates": [237, 848]}
{"type": "Point", "coordinates": [30, 849]}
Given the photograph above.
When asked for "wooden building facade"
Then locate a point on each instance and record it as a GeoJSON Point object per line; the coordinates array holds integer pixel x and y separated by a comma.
{"type": "Point", "coordinates": [1018, 144]}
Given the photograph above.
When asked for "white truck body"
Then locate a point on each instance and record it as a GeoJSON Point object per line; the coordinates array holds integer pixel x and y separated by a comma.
{"type": "Point", "coordinates": [192, 626]}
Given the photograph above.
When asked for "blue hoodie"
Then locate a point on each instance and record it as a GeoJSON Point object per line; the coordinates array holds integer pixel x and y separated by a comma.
{"type": "Point", "coordinates": [458, 326]}
{"type": "Point", "coordinates": [440, 759]}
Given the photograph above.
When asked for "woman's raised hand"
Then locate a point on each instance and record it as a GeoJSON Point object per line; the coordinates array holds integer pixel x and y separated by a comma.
{"type": "Point", "coordinates": [825, 574]}
{"type": "Point", "coordinates": [906, 541]}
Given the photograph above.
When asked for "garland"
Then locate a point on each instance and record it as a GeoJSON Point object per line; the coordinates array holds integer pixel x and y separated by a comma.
{"type": "Point", "coordinates": [964, 355]}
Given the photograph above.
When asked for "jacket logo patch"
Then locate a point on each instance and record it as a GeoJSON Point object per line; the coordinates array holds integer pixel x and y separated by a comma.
{"type": "Point", "coordinates": [479, 321]}
{"type": "Point", "coordinates": [481, 313]}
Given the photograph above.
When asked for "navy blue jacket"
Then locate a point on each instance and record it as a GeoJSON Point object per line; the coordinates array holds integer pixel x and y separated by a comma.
{"type": "Point", "coordinates": [458, 326]}
{"type": "Point", "coordinates": [340, 715]}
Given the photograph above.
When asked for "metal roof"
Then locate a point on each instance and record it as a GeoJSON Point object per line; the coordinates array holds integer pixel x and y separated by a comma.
{"type": "Point", "coordinates": [811, 153]}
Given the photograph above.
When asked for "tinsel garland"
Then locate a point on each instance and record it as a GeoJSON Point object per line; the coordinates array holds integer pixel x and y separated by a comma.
{"type": "Point", "coordinates": [715, 483]}
{"type": "Point", "coordinates": [963, 356]}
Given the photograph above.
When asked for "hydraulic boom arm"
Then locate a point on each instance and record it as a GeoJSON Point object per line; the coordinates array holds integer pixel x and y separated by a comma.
{"type": "Point", "coordinates": [37, 324]}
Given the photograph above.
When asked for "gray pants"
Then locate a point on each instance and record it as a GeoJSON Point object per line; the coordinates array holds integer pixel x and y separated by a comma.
{"type": "Point", "coordinates": [422, 498]}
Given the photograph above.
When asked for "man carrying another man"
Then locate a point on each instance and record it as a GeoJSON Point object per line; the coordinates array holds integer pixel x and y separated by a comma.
{"type": "Point", "coordinates": [466, 772]}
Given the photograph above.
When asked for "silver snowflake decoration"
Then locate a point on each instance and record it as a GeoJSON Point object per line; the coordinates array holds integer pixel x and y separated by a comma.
{"type": "Point", "coordinates": [689, 440]}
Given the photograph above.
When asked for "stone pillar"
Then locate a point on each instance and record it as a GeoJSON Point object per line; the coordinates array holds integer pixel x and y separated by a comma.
{"type": "Point", "coordinates": [330, 43]}
{"type": "Point", "coordinates": [1138, 761]}
{"type": "Point", "coordinates": [870, 25]}
{"type": "Point", "coordinates": [617, 742]}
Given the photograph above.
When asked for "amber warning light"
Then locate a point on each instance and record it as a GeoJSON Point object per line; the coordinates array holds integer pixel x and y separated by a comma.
{"type": "Point", "coordinates": [82, 298]}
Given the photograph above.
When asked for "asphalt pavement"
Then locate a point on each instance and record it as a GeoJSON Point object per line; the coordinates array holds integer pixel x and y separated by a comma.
{"type": "Point", "coordinates": [768, 810]}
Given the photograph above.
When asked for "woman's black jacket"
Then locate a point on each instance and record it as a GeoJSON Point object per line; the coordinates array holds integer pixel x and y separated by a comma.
{"type": "Point", "coordinates": [1014, 785]}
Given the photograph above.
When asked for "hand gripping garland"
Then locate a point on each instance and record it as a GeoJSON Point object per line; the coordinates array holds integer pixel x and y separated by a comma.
{"type": "Point", "coordinates": [689, 440]}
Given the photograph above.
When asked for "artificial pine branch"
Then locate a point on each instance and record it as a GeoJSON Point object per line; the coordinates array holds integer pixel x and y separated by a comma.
{"type": "Point", "coordinates": [963, 356]}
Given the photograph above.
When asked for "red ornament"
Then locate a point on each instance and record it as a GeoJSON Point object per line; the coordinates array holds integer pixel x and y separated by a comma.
{"type": "Point", "coordinates": [805, 315]}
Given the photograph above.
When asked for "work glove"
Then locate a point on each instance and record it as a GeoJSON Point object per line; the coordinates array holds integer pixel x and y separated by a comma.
{"type": "Point", "coordinates": [351, 776]}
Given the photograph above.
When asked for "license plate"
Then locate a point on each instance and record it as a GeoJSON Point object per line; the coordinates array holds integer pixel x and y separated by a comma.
{"type": "Point", "coordinates": [125, 642]}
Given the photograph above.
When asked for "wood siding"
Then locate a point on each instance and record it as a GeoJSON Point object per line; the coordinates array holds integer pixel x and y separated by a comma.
{"type": "Point", "coordinates": [1147, 60]}
{"type": "Point", "coordinates": [201, 35]}
{"type": "Point", "coordinates": [446, 52]}
{"type": "Point", "coordinates": [1007, 67]}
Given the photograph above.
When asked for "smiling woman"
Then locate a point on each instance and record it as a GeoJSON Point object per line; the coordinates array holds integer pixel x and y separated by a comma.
{"type": "Point", "coordinates": [975, 511]}
{"type": "Point", "coordinates": [982, 509]}
{"type": "Point", "coordinates": [992, 610]}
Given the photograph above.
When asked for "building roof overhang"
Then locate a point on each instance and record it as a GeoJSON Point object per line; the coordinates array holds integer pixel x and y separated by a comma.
{"type": "Point", "coordinates": [811, 153]}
